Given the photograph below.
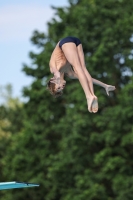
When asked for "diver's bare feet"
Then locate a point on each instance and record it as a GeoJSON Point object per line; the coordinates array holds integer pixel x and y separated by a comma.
{"type": "Point", "coordinates": [95, 105]}
{"type": "Point", "coordinates": [109, 88]}
{"type": "Point", "coordinates": [89, 102]}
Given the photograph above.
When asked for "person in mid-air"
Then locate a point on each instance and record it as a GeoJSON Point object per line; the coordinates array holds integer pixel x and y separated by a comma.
{"type": "Point", "coordinates": [68, 59]}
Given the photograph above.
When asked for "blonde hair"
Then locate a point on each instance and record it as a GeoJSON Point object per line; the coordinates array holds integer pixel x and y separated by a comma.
{"type": "Point", "coordinates": [53, 92]}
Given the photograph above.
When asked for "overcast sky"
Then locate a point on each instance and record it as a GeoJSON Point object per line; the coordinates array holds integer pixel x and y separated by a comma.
{"type": "Point", "coordinates": [18, 20]}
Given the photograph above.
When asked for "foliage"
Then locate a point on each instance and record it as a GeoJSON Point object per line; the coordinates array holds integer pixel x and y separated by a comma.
{"type": "Point", "coordinates": [10, 121]}
{"type": "Point", "coordinates": [72, 153]}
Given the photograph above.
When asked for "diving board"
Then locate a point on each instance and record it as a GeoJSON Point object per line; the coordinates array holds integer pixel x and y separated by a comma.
{"type": "Point", "coordinates": [16, 184]}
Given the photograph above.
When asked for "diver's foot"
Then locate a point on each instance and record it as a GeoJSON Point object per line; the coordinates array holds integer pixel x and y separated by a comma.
{"type": "Point", "coordinates": [89, 103]}
{"type": "Point", "coordinates": [95, 105]}
{"type": "Point", "coordinates": [109, 88]}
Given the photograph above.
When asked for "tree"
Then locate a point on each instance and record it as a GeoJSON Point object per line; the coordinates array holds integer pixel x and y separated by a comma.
{"type": "Point", "coordinates": [74, 154]}
{"type": "Point", "coordinates": [10, 123]}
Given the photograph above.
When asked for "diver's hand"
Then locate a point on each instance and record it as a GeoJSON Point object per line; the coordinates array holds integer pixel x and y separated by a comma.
{"type": "Point", "coordinates": [56, 78]}
{"type": "Point", "coordinates": [57, 74]}
{"type": "Point", "coordinates": [109, 88]}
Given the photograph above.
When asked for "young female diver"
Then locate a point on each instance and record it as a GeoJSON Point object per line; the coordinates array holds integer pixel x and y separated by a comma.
{"type": "Point", "coordinates": [68, 52]}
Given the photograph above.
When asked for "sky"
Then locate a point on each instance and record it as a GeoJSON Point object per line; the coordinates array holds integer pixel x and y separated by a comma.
{"type": "Point", "coordinates": [18, 20]}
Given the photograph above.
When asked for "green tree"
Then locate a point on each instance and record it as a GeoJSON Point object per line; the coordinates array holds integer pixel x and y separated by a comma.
{"type": "Point", "coordinates": [72, 153]}
{"type": "Point", "coordinates": [10, 122]}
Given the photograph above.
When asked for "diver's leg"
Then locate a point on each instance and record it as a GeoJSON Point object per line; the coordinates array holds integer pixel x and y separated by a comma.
{"type": "Point", "coordinates": [88, 76]}
{"type": "Point", "coordinates": [82, 61]}
{"type": "Point", "coordinates": [71, 54]}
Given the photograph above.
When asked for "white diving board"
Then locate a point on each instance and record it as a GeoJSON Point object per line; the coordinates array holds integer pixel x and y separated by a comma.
{"type": "Point", "coordinates": [16, 184]}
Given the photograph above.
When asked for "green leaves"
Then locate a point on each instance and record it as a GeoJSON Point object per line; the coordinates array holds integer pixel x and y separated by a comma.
{"type": "Point", "coordinates": [72, 153]}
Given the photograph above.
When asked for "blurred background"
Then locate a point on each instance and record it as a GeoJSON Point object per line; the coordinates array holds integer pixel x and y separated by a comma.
{"type": "Point", "coordinates": [18, 20]}
{"type": "Point", "coordinates": [71, 153]}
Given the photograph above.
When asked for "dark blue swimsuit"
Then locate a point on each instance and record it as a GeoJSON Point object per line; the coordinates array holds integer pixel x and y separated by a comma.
{"type": "Point", "coordinates": [75, 40]}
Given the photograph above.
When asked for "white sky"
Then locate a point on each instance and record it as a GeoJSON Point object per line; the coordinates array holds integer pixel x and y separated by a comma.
{"type": "Point", "coordinates": [18, 20]}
